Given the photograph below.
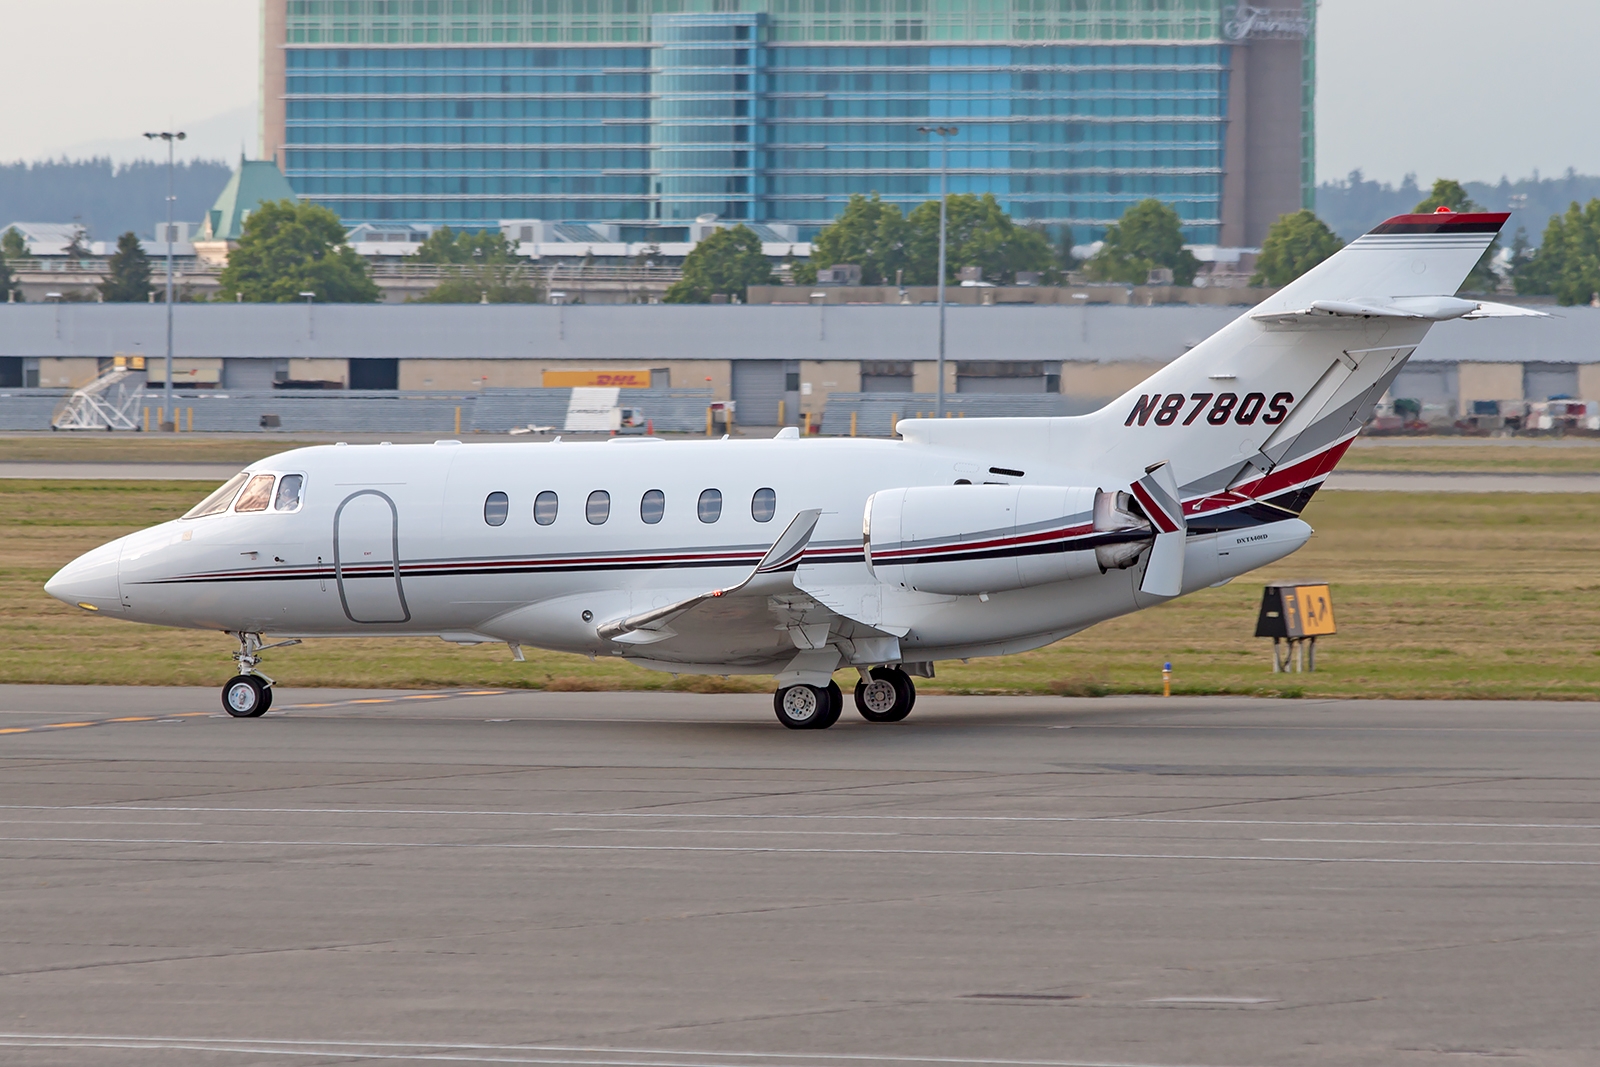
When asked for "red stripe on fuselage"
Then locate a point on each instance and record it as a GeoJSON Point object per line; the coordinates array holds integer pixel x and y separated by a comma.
{"type": "Point", "coordinates": [1155, 511]}
{"type": "Point", "coordinates": [981, 546]}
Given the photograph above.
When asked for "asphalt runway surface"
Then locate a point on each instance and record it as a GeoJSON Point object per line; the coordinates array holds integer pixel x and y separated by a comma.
{"type": "Point", "coordinates": [654, 880]}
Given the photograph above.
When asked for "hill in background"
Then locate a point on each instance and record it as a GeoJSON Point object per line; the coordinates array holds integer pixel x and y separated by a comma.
{"type": "Point", "coordinates": [108, 199]}
{"type": "Point", "coordinates": [1355, 205]}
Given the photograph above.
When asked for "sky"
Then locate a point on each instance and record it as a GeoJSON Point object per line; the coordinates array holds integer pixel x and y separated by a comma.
{"type": "Point", "coordinates": [1472, 89]}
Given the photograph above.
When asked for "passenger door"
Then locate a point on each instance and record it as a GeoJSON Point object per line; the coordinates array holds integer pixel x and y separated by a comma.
{"type": "Point", "coordinates": [366, 558]}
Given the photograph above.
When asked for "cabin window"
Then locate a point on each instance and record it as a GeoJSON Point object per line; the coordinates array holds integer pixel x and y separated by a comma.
{"type": "Point", "coordinates": [257, 495]}
{"type": "Point", "coordinates": [545, 506]}
{"type": "Point", "coordinates": [598, 508]}
{"type": "Point", "coordinates": [710, 507]}
{"type": "Point", "coordinates": [289, 487]}
{"type": "Point", "coordinates": [763, 505]}
{"type": "Point", "coordinates": [652, 506]}
{"type": "Point", "coordinates": [218, 501]}
{"type": "Point", "coordinates": [495, 508]}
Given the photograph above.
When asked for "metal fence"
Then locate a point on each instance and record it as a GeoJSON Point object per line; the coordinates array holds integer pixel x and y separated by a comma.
{"type": "Point", "coordinates": [365, 411]}
{"type": "Point", "coordinates": [877, 413]}
{"type": "Point", "coordinates": [666, 410]}
{"type": "Point", "coordinates": [379, 268]}
{"type": "Point", "coordinates": [30, 409]}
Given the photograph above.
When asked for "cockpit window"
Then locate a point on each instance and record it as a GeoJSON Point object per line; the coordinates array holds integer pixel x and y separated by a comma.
{"type": "Point", "coordinates": [289, 487]}
{"type": "Point", "coordinates": [257, 495]}
{"type": "Point", "coordinates": [218, 501]}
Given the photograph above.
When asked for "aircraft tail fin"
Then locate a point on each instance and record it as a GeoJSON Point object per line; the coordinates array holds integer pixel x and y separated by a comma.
{"type": "Point", "coordinates": [1261, 411]}
{"type": "Point", "coordinates": [1256, 416]}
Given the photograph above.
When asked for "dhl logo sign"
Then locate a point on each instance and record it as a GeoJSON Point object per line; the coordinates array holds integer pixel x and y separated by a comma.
{"type": "Point", "coordinates": [603, 379]}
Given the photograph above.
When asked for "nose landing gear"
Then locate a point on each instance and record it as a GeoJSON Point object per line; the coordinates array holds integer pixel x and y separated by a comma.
{"type": "Point", "coordinates": [248, 694]}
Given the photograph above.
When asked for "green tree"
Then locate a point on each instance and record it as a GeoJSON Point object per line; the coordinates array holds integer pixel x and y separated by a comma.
{"type": "Point", "coordinates": [802, 272]}
{"type": "Point", "coordinates": [487, 283]}
{"type": "Point", "coordinates": [288, 248]}
{"type": "Point", "coordinates": [1450, 193]}
{"type": "Point", "coordinates": [978, 233]}
{"type": "Point", "coordinates": [13, 246]}
{"type": "Point", "coordinates": [1294, 245]}
{"type": "Point", "coordinates": [727, 261]}
{"type": "Point", "coordinates": [868, 233]}
{"type": "Point", "coordinates": [78, 247]}
{"type": "Point", "coordinates": [1150, 235]}
{"type": "Point", "coordinates": [445, 245]}
{"type": "Point", "coordinates": [127, 278]}
{"type": "Point", "coordinates": [1066, 258]}
{"type": "Point", "coordinates": [490, 270]}
{"type": "Point", "coordinates": [1521, 252]}
{"type": "Point", "coordinates": [1567, 263]}
{"type": "Point", "coordinates": [10, 288]}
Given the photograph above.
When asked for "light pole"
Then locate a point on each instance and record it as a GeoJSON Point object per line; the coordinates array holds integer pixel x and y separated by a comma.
{"type": "Point", "coordinates": [944, 134]}
{"type": "Point", "coordinates": [172, 140]}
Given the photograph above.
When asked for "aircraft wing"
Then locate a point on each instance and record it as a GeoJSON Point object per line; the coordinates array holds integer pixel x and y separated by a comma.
{"type": "Point", "coordinates": [783, 555]}
{"type": "Point", "coordinates": [761, 619]}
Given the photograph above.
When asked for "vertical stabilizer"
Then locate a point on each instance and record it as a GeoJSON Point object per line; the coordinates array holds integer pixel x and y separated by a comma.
{"type": "Point", "coordinates": [1264, 408]}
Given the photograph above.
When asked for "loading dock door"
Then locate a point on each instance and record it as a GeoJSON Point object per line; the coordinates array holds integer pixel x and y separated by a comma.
{"type": "Point", "coordinates": [1543, 381]}
{"type": "Point", "coordinates": [758, 385]}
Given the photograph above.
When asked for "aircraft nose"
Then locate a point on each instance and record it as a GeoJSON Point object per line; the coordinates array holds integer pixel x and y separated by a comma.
{"type": "Point", "coordinates": [91, 580]}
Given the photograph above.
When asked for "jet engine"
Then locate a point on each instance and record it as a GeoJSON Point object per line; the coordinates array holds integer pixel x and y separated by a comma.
{"type": "Point", "coordinates": [969, 539]}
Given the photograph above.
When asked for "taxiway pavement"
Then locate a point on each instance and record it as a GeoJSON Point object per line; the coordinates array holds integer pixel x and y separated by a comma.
{"type": "Point", "coordinates": [667, 880]}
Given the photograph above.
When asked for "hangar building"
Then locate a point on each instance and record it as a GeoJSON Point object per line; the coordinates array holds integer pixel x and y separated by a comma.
{"type": "Point", "coordinates": [757, 355]}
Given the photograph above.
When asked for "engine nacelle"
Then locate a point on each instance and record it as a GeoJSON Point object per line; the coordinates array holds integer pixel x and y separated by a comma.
{"type": "Point", "coordinates": [968, 539]}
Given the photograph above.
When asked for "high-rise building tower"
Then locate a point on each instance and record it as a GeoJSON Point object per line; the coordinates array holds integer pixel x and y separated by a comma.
{"type": "Point", "coordinates": [650, 113]}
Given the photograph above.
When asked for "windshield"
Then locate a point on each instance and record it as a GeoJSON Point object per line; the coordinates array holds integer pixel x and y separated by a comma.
{"type": "Point", "coordinates": [218, 502]}
{"type": "Point", "coordinates": [257, 495]}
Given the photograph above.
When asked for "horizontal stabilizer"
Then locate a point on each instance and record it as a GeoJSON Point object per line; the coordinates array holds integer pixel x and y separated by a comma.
{"type": "Point", "coordinates": [1414, 308]}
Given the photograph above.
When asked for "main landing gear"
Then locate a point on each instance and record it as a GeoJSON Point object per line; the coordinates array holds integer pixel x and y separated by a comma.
{"type": "Point", "coordinates": [248, 694]}
{"type": "Point", "coordinates": [885, 694]}
{"type": "Point", "coordinates": [809, 707]}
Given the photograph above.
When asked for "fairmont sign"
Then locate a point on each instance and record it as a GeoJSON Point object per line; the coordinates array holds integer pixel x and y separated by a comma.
{"type": "Point", "coordinates": [1244, 22]}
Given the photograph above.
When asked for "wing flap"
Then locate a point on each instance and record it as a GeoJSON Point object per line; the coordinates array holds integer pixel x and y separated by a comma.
{"type": "Point", "coordinates": [784, 555]}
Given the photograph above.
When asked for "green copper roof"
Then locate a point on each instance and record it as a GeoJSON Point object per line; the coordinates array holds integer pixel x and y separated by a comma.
{"type": "Point", "coordinates": [255, 181]}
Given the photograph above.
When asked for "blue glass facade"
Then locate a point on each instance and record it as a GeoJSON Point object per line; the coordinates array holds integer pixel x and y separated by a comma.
{"type": "Point", "coordinates": [1061, 134]}
{"type": "Point", "coordinates": [719, 113]}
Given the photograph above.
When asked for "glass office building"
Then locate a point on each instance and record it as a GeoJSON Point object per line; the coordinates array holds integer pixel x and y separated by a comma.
{"type": "Point", "coordinates": [647, 114]}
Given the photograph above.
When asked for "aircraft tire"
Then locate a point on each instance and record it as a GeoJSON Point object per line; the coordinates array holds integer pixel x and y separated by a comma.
{"type": "Point", "coordinates": [246, 697]}
{"type": "Point", "coordinates": [835, 707]}
{"type": "Point", "coordinates": [869, 696]}
{"type": "Point", "coordinates": [802, 707]}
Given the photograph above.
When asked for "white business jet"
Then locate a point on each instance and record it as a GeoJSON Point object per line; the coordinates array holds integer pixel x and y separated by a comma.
{"type": "Point", "coordinates": [973, 537]}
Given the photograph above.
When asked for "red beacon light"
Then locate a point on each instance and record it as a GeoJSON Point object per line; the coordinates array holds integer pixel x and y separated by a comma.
{"type": "Point", "coordinates": [1443, 210]}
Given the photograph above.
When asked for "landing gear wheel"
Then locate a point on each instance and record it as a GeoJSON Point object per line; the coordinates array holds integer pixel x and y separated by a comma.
{"type": "Point", "coordinates": [835, 707]}
{"type": "Point", "coordinates": [887, 695]}
{"type": "Point", "coordinates": [803, 707]}
{"type": "Point", "coordinates": [246, 697]}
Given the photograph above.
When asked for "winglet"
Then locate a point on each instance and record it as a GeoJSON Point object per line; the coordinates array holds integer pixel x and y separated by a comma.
{"type": "Point", "coordinates": [1157, 494]}
{"type": "Point", "coordinates": [784, 554]}
{"type": "Point", "coordinates": [790, 545]}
